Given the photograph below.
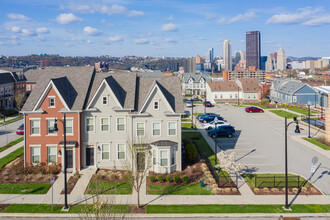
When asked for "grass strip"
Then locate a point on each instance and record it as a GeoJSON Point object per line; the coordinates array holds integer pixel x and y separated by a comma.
{"type": "Point", "coordinates": [283, 113]}
{"type": "Point", "coordinates": [109, 188]}
{"type": "Point", "coordinates": [187, 126]}
{"type": "Point", "coordinates": [189, 189]}
{"type": "Point", "coordinates": [299, 110]}
{"type": "Point", "coordinates": [11, 120]}
{"type": "Point", "coordinates": [24, 188]}
{"type": "Point", "coordinates": [15, 141]}
{"type": "Point", "coordinates": [310, 208]}
{"type": "Point", "coordinates": [3, 148]}
{"type": "Point", "coordinates": [10, 157]}
{"type": "Point", "coordinates": [319, 144]}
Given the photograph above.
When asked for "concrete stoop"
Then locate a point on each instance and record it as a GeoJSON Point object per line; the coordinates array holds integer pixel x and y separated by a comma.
{"type": "Point", "coordinates": [83, 182]}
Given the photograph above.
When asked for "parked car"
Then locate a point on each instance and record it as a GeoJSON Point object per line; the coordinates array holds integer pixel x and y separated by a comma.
{"type": "Point", "coordinates": [209, 113]}
{"type": "Point", "coordinates": [253, 109]}
{"type": "Point", "coordinates": [208, 104]}
{"type": "Point", "coordinates": [195, 99]}
{"type": "Point", "coordinates": [209, 118]}
{"type": "Point", "coordinates": [189, 104]}
{"type": "Point", "coordinates": [211, 125]}
{"type": "Point", "coordinates": [225, 130]}
{"type": "Point", "coordinates": [20, 129]}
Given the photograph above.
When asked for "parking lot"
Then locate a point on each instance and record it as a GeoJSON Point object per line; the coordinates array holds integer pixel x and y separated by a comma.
{"type": "Point", "coordinates": [259, 145]}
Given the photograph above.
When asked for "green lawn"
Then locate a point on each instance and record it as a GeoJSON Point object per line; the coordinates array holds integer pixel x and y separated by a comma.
{"type": "Point", "coordinates": [11, 120]}
{"type": "Point", "coordinates": [189, 189]}
{"type": "Point", "coordinates": [236, 209]}
{"type": "Point", "coordinates": [11, 144]}
{"type": "Point", "coordinates": [46, 208]}
{"type": "Point", "coordinates": [299, 110]}
{"type": "Point", "coordinates": [269, 180]}
{"type": "Point", "coordinates": [284, 113]}
{"type": "Point", "coordinates": [3, 148]}
{"type": "Point", "coordinates": [10, 157]}
{"type": "Point", "coordinates": [241, 105]}
{"type": "Point", "coordinates": [187, 126]}
{"type": "Point", "coordinates": [196, 114]}
{"type": "Point", "coordinates": [186, 120]}
{"type": "Point", "coordinates": [24, 188]}
{"type": "Point", "coordinates": [319, 144]}
{"type": "Point", "coordinates": [109, 188]}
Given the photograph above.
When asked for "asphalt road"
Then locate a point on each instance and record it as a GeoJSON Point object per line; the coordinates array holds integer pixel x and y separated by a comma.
{"type": "Point", "coordinates": [8, 132]}
{"type": "Point", "coordinates": [259, 145]}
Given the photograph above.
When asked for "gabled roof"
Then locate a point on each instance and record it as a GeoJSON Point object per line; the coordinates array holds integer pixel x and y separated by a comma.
{"type": "Point", "coordinates": [223, 86]}
{"type": "Point", "coordinates": [249, 85]}
{"type": "Point", "coordinates": [72, 83]}
{"type": "Point", "coordinates": [196, 77]}
{"type": "Point", "coordinates": [6, 77]}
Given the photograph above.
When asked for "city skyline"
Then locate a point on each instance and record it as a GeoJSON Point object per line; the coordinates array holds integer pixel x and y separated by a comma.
{"type": "Point", "coordinates": [156, 28]}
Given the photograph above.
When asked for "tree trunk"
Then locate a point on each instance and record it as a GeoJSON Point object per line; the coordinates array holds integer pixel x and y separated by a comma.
{"type": "Point", "coordinates": [138, 198]}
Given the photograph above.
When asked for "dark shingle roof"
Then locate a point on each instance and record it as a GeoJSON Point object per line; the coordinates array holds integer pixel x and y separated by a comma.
{"type": "Point", "coordinates": [249, 85]}
{"type": "Point", "coordinates": [6, 77]}
{"type": "Point", "coordinates": [162, 143]}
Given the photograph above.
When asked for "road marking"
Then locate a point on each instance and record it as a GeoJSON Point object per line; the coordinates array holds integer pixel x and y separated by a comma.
{"type": "Point", "coordinates": [248, 156]}
{"type": "Point", "coordinates": [239, 149]}
{"type": "Point", "coordinates": [236, 143]}
{"type": "Point", "coordinates": [260, 164]}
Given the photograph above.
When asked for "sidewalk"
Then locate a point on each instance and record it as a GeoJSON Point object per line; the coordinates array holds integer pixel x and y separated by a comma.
{"type": "Point", "coordinates": [11, 149]}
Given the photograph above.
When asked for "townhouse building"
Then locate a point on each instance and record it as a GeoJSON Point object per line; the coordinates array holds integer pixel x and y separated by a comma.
{"type": "Point", "coordinates": [106, 115]}
{"type": "Point", "coordinates": [194, 84]}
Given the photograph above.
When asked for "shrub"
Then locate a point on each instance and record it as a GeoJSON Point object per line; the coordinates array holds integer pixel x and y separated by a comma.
{"type": "Point", "coordinates": [125, 177]}
{"type": "Point", "coordinates": [77, 175]}
{"type": "Point", "coordinates": [304, 189]}
{"type": "Point", "coordinates": [177, 179]}
{"type": "Point", "coordinates": [191, 152]}
{"type": "Point", "coordinates": [113, 177]}
{"type": "Point", "coordinates": [256, 190]}
{"type": "Point", "coordinates": [185, 179]}
{"type": "Point", "coordinates": [168, 179]}
{"type": "Point", "coordinates": [152, 179]}
{"type": "Point", "coordinates": [160, 179]}
{"type": "Point", "coordinates": [234, 190]}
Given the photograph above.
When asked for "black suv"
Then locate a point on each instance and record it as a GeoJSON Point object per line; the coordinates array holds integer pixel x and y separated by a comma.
{"type": "Point", "coordinates": [223, 130]}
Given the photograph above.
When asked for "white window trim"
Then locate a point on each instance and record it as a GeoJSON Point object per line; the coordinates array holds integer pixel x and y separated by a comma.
{"type": "Point", "coordinates": [101, 124]}
{"type": "Point", "coordinates": [35, 119]}
{"type": "Point", "coordinates": [87, 124]}
{"type": "Point", "coordinates": [118, 151]}
{"type": "Point", "coordinates": [109, 151]}
{"type": "Point", "coordinates": [168, 128]}
{"type": "Point", "coordinates": [152, 128]}
{"type": "Point", "coordinates": [172, 149]}
{"type": "Point", "coordinates": [160, 158]}
{"type": "Point", "coordinates": [70, 118]}
{"type": "Point", "coordinates": [106, 100]}
{"type": "Point", "coordinates": [144, 129]}
{"type": "Point", "coordinates": [51, 97]}
{"type": "Point", "coordinates": [35, 146]}
{"type": "Point", "coordinates": [156, 154]}
{"type": "Point", "coordinates": [54, 134]}
{"type": "Point", "coordinates": [157, 101]}
{"type": "Point", "coordinates": [124, 124]}
{"type": "Point", "coordinates": [51, 145]}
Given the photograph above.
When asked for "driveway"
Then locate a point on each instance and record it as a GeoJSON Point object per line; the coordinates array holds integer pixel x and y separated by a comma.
{"type": "Point", "coordinates": [8, 132]}
{"type": "Point", "coordinates": [259, 145]}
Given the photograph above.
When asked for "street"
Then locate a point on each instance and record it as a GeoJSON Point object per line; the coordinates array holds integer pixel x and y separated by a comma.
{"type": "Point", "coordinates": [259, 145]}
{"type": "Point", "coordinates": [8, 132]}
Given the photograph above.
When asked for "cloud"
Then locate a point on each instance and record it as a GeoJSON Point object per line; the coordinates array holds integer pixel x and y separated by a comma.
{"type": "Point", "coordinates": [170, 18]}
{"type": "Point", "coordinates": [28, 32]}
{"type": "Point", "coordinates": [248, 16]}
{"type": "Point", "coordinates": [142, 41]}
{"type": "Point", "coordinates": [81, 8]}
{"type": "Point", "coordinates": [201, 38]}
{"type": "Point", "coordinates": [42, 30]}
{"type": "Point", "coordinates": [210, 15]}
{"type": "Point", "coordinates": [170, 41]}
{"type": "Point", "coordinates": [68, 18]}
{"type": "Point", "coordinates": [170, 27]}
{"type": "Point", "coordinates": [107, 23]}
{"type": "Point", "coordinates": [20, 17]}
{"type": "Point", "coordinates": [91, 31]}
{"type": "Point", "coordinates": [148, 34]}
{"type": "Point", "coordinates": [78, 40]}
{"type": "Point", "coordinates": [115, 38]}
{"type": "Point", "coordinates": [306, 16]}
{"type": "Point", "coordinates": [15, 29]}
{"type": "Point", "coordinates": [134, 13]}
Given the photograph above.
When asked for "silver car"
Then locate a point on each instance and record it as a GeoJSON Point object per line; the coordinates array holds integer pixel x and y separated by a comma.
{"type": "Point", "coordinates": [211, 125]}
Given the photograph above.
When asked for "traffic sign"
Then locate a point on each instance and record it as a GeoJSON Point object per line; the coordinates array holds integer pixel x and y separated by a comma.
{"type": "Point", "coordinates": [52, 180]}
{"type": "Point", "coordinates": [314, 160]}
{"type": "Point", "coordinates": [313, 169]}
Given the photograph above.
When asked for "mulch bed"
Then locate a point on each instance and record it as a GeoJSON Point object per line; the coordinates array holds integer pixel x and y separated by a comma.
{"type": "Point", "coordinates": [105, 175]}
{"type": "Point", "coordinates": [15, 173]}
{"type": "Point", "coordinates": [322, 140]}
{"type": "Point", "coordinates": [134, 209]}
{"type": "Point", "coordinates": [3, 207]}
{"type": "Point", "coordinates": [292, 191]}
{"type": "Point", "coordinates": [71, 183]}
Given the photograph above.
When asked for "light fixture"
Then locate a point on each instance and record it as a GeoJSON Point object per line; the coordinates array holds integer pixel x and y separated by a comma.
{"type": "Point", "coordinates": [59, 153]}
{"type": "Point", "coordinates": [99, 148]}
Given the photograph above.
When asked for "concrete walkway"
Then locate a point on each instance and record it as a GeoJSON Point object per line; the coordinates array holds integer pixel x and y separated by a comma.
{"type": "Point", "coordinates": [11, 149]}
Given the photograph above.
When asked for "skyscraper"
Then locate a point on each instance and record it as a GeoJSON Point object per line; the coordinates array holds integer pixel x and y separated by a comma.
{"type": "Point", "coordinates": [242, 53]}
{"type": "Point", "coordinates": [209, 56]}
{"type": "Point", "coordinates": [253, 49]}
{"type": "Point", "coordinates": [226, 53]}
{"type": "Point", "coordinates": [281, 59]}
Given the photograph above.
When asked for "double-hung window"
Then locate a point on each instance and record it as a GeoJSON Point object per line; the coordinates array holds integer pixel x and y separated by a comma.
{"type": "Point", "coordinates": [35, 127]}
{"type": "Point", "coordinates": [69, 126]}
{"type": "Point", "coordinates": [172, 156]}
{"type": "Point", "coordinates": [51, 154]}
{"type": "Point", "coordinates": [35, 154]}
{"type": "Point", "coordinates": [121, 152]}
{"type": "Point", "coordinates": [163, 158]}
{"type": "Point", "coordinates": [172, 128]}
{"type": "Point", "coordinates": [50, 126]}
{"type": "Point", "coordinates": [105, 151]}
{"type": "Point", "coordinates": [89, 124]}
{"type": "Point", "coordinates": [156, 105]}
{"type": "Point", "coordinates": [104, 100]}
{"type": "Point", "coordinates": [154, 157]}
{"type": "Point", "coordinates": [120, 124]}
{"type": "Point", "coordinates": [51, 102]}
{"type": "Point", "coordinates": [105, 124]}
{"type": "Point", "coordinates": [156, 128]}
{"type": "Point", "coordinates": [140, 129]}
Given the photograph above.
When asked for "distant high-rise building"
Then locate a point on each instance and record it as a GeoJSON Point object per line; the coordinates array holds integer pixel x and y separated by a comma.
{"type": "Point", "coordinates": [226, 53]}
{"type": "Point", "coordinates": [198, 59]}
{"type": "Point", "coordinates": [209, 56]}
{"type": "Point", "coordinates": [237, 58]}
{"type": "Point", "coordinates": [263, 60]}
{"type": "Point", "coordinates": [281, 59]}
{"type": "Point", "coordinates": [253, 49]}
{"type": "Point", "coordinates": [190, 65]}
{"type": "Point", "coordinates": [242, 53]}
{"type": "Point", "coordinates": [270, 63]}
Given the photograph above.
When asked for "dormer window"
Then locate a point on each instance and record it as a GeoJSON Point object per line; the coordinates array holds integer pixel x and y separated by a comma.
{"type": "Point", "coordinates": [51, 102]}
{"type": "Point", "coordinates": [104, 100]}
{"type": "Point", "coordinates": [156, 105]}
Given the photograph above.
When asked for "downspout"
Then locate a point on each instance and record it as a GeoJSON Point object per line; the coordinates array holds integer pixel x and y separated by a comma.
{"type": "Point", "coordinates": [24, 140]}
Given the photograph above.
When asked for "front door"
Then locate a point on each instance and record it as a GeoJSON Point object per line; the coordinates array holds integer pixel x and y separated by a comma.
{"type": "Point", "coordinates": [89, 156]}
{"type": "Point", "coordinates": [69, 158]}
{"type": "Point", "coordinates": [141, 161]}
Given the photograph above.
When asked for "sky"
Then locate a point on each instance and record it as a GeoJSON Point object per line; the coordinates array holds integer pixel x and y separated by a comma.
{"type": "Point", "coordinates": [181, 28]}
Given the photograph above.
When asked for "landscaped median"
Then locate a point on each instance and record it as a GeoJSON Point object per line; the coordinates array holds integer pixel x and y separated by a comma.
{"type": "Point", "coordinates": [12, 144]}
{"type": "Point", "coordinates": [318, 142]}
{"type": "Point", "coordinates": [283, 113]}
{"type": "Point", "coordinates": [11, 120]}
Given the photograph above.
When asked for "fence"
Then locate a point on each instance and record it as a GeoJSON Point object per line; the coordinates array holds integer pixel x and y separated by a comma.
{"type": "Point", "coordinates": [315, 120]}
{"type": "Point", "coordinates": [278, 181]}
{"type": "Point", "coordinates": [228, 181]}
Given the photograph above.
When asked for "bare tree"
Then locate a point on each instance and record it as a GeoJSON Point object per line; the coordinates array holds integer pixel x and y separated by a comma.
{"type": "Point", "coordinates": [228, 162]}
{"type": "Point", "coordinates": [138, 165]}
{"type": "Point", "coordinates": [19, 100]}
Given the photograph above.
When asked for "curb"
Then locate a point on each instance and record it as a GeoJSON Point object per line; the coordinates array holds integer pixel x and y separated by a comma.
{"type": "Point", "coordinates": [319, 150]}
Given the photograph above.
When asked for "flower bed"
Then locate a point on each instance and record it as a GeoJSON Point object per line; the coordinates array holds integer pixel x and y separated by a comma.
{"type": "Point", "coordinates": [72, 182]}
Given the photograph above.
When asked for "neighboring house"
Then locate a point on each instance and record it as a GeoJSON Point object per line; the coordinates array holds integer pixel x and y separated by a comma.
{"type": "Point", "coordinates": [323, 94]}
{"type": "Point", "coordinates": [291, 91]}
{"type": "Point", "coordinates": [109, 112]}
{"type": "Point", "coordinates": [7, 89]}
{"type": "Point", "coordinates": [250, 89]}
{"type": "Point", "coordinates": [193, 84]}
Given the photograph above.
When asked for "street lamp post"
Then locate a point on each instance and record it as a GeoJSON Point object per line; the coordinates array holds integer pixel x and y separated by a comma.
{"type": "Point", "coordinates": [237, 95]}
{"type": "Point", "coordinates": [215, 140]}
{"type": "Point", "coordinates": [65, 159]}
{"type": "Point", "coordinates": [309, 119]}
{"type": "Point", "coordinates": [286, 158]}
{"type": "Point", "coordinates": [192, 113]}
